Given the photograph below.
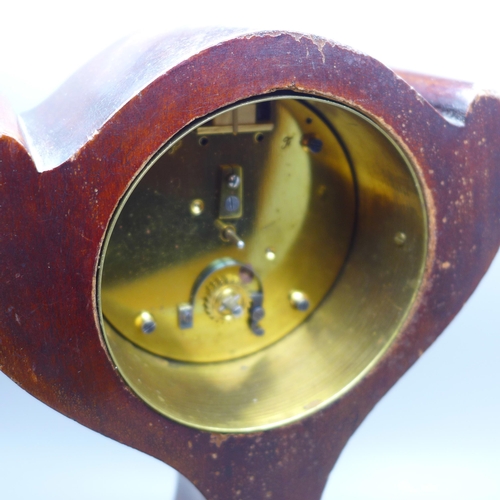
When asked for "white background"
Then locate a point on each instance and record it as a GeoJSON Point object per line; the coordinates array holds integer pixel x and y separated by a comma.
{"type": "Point", "coordinates": [435, 436]}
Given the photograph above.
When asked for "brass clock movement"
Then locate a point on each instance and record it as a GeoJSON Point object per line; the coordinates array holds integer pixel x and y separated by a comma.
{"type": "Point", "coordinates": [277, 246]}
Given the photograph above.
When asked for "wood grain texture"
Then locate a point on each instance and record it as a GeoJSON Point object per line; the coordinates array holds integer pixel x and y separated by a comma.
{"type": "Point", "coordinates": [65, 165]}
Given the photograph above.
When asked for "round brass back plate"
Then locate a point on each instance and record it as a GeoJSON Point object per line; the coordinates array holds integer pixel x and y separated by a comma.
{"type": "Point", "coordinates": [262, 263]}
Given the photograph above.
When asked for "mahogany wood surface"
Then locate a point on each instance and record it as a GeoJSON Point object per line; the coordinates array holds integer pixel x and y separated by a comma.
{"type": "Point", "coordinates": [65, 165]}
{"type": "Point", "coordinates": [451, 97]}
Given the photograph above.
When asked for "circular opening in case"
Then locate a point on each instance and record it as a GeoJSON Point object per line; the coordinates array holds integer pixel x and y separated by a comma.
{"type": "Point", "coordinates": [261, 263]}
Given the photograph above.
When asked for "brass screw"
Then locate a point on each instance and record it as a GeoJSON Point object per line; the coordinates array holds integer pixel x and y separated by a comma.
{"type": "Point", "coordinates": [270, 254]}
{"type": "Point", "coordinates": [299, 300]}
{"type": "Point", "coordinates": [145, 322]}
{"type": "Point", "coordinates": [197, 207]}
{"type": "Point", "coordinates": [400, 239]}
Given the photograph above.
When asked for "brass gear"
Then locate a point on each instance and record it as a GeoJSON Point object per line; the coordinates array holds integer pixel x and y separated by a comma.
{"type": "Point", "coordinates": [226, 298]}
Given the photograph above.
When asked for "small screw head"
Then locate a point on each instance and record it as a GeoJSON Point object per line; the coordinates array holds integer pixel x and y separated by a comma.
{"type": "Point", "coordinates": [270, 254]}
{"type": "Point", "coordinates": [299, 300]}
{"type": "Point", "coordinates": [233, 181]}
{"type": "Point", "coordinates": [145, 322]}
{"type": "Point", "coordinates": [400, 239]}
{"type": "Point", "coordinates": [312, 143]}
{"type": "Point", "coordinates": [232, 204]}
{"type": "Point", "coordinates": [197, 207]}
{"type": "Point", "coordinates": [257, 314]}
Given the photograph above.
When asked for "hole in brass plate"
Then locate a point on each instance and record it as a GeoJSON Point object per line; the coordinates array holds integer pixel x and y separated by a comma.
{"type": "Point", "coordinates": [286, 287]}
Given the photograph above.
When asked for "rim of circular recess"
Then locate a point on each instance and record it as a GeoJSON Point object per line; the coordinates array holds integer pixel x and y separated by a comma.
{"type": "Point", "coordinates": [279, 95]}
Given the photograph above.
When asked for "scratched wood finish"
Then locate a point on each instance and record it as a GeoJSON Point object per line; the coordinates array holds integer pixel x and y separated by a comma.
{"type": "Point", "coordinates": [63, 172]}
